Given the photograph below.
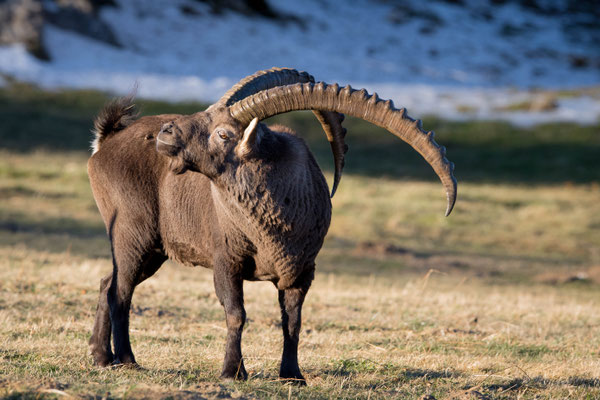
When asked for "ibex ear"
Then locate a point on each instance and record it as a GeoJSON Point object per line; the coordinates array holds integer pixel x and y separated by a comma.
{"type": "Point", "coordinates": [251, 139]}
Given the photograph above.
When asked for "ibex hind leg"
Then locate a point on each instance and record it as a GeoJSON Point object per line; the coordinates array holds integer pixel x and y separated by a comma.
{"type": "Point", "coordinates": [100, 340]}
{"type": "Point", "coordinates": [101, 334]}
{"type": "Point", "coordinates": [132, 264]}
{"type": "Point", "coordinates": [129, 271]}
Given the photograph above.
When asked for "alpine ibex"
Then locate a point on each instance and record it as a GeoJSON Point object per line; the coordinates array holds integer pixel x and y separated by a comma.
{"type": "Point", "coordinates": [254, 206]}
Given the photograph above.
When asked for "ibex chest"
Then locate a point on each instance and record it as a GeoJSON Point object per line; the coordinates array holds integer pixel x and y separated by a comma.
{"type": "Point", "coordinates": [282, 237]}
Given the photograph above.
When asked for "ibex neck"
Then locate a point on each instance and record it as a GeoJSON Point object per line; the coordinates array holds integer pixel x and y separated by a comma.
{"type": "Point", "coordinates": [275, 202]}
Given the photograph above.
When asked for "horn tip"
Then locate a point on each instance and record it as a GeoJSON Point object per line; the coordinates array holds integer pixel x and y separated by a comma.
{"type": "Point", "coordinates": [448, 209]}
{"type": "Point", "coordinates": [336, 180]}
{"type": "Point", "coordinates": [333, 190]}
{"type": "Point", "coordinates": [451, 195]}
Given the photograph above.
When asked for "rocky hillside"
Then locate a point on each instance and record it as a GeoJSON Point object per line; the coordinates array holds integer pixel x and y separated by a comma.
{"type": "Point", "coordinates": [456, 58]}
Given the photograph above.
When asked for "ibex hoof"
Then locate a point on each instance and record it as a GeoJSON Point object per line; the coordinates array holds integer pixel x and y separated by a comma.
{"type": "Point", "coordinates": [294, 381]}
{"type": "Point", "coordinates": [241, 375]}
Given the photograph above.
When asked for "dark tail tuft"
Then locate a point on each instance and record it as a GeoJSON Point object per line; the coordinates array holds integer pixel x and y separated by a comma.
{"type": "Point", "coordinates": [115, 116]}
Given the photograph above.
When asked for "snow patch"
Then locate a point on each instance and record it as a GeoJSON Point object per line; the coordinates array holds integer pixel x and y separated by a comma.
{"type": "Point", "coordinates": [458, 68]}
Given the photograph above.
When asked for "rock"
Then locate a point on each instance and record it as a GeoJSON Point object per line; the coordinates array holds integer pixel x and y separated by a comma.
{"type": "Point", "coordinates": [544, 102]}
{"type": "Point", "coordinates": [252, 8]}
{"type": "Point", "coordinates": [81, 16]}
{"type": "Point", "coordinates": [85, 6]}
{"type": "Point", "coordinates": [21, 22]}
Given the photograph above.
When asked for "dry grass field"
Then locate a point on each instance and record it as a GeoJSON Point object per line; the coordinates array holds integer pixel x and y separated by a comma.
{"type": "Point", "coordinates": [498, 301]}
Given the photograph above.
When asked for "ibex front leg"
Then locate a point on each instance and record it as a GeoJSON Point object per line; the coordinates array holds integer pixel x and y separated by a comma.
{"type": "Point", "coordinates": [230, 291]}
{"type": "Point", "coordinates": [290, 301]}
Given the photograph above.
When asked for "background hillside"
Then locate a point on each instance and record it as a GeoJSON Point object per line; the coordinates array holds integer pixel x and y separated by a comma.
{"type": "Point", "coordinates": [522, 60]}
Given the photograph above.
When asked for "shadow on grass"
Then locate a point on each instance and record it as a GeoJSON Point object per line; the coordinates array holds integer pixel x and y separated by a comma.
{"type": "Point", "coordinates": [428, 374]}
{"type": "Point", "coordinates": [29, 395]}
{"type": "Point", "coordinates": [32, 119]}
{"type": "Point", "coordinates": [542, 383]}
{"type": "Point", "coordinates": [55, 235]}
{"type": "Point", "coordinates": [397, 374]}
{"type": "Point", "coordinates": [393, 373]}
{"type": "Point", "coordinates": [136, 393]}
{"type": "Point", "coordinates": [8, 192]}
{"type": "Point", "coordinates": [21, 223]}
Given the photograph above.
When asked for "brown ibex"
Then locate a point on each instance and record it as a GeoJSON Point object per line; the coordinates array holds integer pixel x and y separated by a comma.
{"type": "Point", "coordinates": [254, 206]}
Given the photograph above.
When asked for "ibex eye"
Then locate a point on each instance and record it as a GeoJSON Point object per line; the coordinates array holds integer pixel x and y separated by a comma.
{"type": "Point", "coordinates": [223, 135]}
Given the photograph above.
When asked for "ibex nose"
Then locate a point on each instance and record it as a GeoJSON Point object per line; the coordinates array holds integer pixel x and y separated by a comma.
{"type": "Point", "coordinates": [166, 142]}
{"type": "Point", "coordinates": [167, 128]}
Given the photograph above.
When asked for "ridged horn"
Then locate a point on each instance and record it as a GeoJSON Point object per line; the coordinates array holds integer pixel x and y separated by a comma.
{"type": "Point", "coordinates": [358, 103]}
{"type": "Point", "coordinates": [263, 80]}
{"type": "Point", "coordinates": [331, 122]}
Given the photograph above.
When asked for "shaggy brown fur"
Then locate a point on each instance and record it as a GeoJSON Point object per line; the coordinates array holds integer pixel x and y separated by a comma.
{"type": "Point", "coordinates": [260, 214]}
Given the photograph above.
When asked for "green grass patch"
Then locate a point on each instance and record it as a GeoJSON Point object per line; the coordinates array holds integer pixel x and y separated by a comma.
{"type": "Point", "coordinates": [483, 151]}
{"type": "Point", "coordinates": [517, 350]}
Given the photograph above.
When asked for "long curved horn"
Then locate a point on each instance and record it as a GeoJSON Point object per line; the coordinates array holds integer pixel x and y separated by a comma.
{"type": "Point", "coordinates": [262, 80]}
{"type": "Point", "coordinates": [331, 122]}
{"type": "Point", "coordinates": [358, 103]}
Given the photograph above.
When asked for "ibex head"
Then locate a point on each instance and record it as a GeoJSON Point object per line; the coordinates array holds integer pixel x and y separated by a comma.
{"type": "Point", "coordinates": [228, 131]}
{"type": "Point", "coordinates": [207, 142]}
